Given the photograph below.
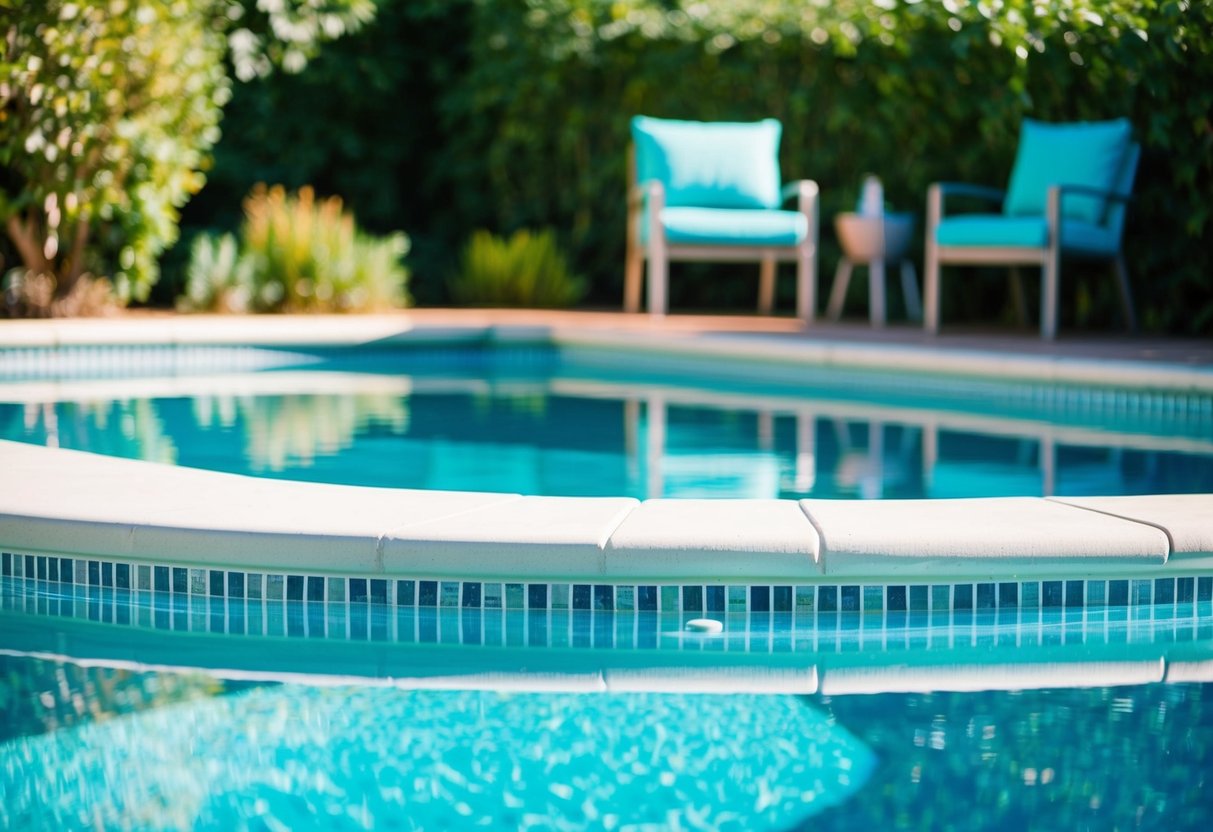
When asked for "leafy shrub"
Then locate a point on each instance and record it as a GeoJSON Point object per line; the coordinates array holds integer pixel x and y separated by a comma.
{"type": "Point", "coordinates": [218, 278]}
{"type": "Point", "coordinates": [528, 269]}
{"type": "Point", "coordinates": [296, 254]}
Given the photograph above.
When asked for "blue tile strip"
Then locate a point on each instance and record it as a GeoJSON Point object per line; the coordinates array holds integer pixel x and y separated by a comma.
{"type": "Point", "coordinates": [98, 575]}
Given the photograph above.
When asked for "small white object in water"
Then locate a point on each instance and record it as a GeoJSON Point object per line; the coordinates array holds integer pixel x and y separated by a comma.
{"type": "Point", "coordinates": [704, 625]}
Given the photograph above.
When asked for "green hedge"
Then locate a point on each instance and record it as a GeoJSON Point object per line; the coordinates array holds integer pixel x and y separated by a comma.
{"type": "Point", "coordinates": [449, 116]}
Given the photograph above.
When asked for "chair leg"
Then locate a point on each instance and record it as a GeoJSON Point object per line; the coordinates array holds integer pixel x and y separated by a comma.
{"type": "Point", "coordinates": [876, 292]}
{"type": "Point", "coordinates": [1126, 294]}
{"type": "Point", "coordinates": [1048, 296]}
{"type": "Point", "coordinates": [909, 290]}
{"type": "Point", "coordinates": [806, 282]}
{"type": "Point", "coordinates": [766, 286]}
{"type": "Point", "coordinates": [633, 274]}
{"type": "Point", "coordinates": [1018, 298]}
{"type": "Point", "coordinates": [930, 289]}
{"type": "Point", "coordinates": [838, 292]}
{"type": "Point", "coordinates": [1050, 269]}
{"type": "Point", "coordinates": [930, 318]}
{"type": "Point", "coordinates": [659, 272]}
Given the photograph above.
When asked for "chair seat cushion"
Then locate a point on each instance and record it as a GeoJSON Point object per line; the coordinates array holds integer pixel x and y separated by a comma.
{"type": "Point", "coordinates": [734, 227]}
{"type": "Point", "coordinates": [996, 230]}
{"type": "Point", "coordinates": [1084, 153]}
{"type": "Point", "coordinates": [712, 164]}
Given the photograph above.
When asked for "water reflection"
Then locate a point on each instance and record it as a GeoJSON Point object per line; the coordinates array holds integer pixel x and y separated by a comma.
{"type": "Point", "coordinates": [38, 697]}
{"type": "Point", "coordinates": [561, 437]}
{"type": "Point", "coordinates": [160, 750]}
{"type": "Point", "coordinates": [295, 756]}
{"type": "Point", "coordinates": [1102, 758]}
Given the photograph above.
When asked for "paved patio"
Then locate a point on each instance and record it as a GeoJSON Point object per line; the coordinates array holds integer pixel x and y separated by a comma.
{"type": "Point", "coordinates": [147, 326]}
{"type": "Point", "coordinates": [1071, 344]}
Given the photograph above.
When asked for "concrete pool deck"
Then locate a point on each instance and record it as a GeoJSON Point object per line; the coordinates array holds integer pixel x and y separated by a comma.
{"type": "Point", "coordinates": [1124, 361]}
{"type": "Point", "coordinates": [70, 503]}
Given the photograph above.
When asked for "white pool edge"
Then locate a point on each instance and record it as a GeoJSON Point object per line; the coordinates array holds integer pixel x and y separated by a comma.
{"type": "Point", "coordinates": [64, 502]}
{"type": "Point", "coordinates": [386, 330]}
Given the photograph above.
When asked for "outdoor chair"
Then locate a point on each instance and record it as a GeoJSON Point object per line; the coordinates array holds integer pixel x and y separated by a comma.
{"type": "Point", "coordinates": [1066, 197]}
{"type": "Point", "coordinates": [711, 192]}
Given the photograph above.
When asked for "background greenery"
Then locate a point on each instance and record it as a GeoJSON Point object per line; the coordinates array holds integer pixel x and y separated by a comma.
{"type": "Point", "coordinates": [445, 116]}
{"type": "Point", "coordinates": [108, 112]}
{"type": "Point", "coordinates": [295, 254]}
{"type": "Point", "coordinates": [527, 269]}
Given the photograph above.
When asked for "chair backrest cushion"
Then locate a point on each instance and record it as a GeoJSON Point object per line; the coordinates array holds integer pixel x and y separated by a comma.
{"type": "Point", "coordinates": [710, 164]}
{"type": "Point", "coordinates": [1088, 153]}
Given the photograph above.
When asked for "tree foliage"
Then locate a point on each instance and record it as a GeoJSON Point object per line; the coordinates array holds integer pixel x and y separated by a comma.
{"type": "Point", "coordinates": [109, 110]}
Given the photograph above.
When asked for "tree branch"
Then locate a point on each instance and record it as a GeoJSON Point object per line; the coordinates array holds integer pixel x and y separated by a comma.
{"type": "Point", "coordinates": [75, 257]}
{"type": "Point", "coordinates": [24, 238]}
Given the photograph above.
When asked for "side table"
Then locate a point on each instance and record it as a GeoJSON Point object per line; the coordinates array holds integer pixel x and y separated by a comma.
{"type": "Point", "coordinates": [873, 241]}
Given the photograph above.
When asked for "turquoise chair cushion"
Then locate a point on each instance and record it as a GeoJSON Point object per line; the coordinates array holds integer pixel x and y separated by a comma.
{"type": "Point", "coordinates": [996, 230]}
{"type": "Point", "coordinates": [711, 165]}
{"type": "Point", "coordinates": [734, 227]}
{"type": "Point", "coordinates": [1084, 153]}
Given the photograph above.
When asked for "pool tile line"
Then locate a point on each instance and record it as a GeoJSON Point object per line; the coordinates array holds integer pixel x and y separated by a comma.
{"type": "Point", "coordinates": [816, 631]}
{"type": "Point", "coordinates": [705, 599]}
{"type": "Point", "coordinates": [34, 349]}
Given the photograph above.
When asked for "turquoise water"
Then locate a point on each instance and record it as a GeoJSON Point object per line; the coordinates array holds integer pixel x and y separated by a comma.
{"type": "Point", "coordinates": [143, 710]}
{"type": "Point", "coordinates": [536, 423]}
{"type": "Point", "coordinates": [107, 722]}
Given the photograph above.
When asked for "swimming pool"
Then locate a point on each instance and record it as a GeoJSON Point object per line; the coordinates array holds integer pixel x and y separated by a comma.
{"type": "Point", "coordinates": [532, 420]}
{"type": "Point", "coordinates": [515, 651]}
{"type": "Point", "coordinates": [153, 710]}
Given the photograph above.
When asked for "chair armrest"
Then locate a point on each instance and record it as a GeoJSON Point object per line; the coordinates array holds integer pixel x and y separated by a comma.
{"type": "Point", "coordinates": [947, 189]}
{"type": "Point", "coordinates": [642, 191]}
{"type": "Point", "coordinates": [805, 192]}
{"type": "Point", "coordinates": [1087, 190]}
{"type": "Point", "coordinates": [1056, 193]}
{"type": "Point", "coordinates": [938, 192]}
{"type": "Point", "coordinates": [966, 189]}
{"type": "Point", "coordinates": [801, 190]}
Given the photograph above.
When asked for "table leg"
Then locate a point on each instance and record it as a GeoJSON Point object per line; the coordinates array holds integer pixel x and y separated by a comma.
{"type": "Point", "coordinates": [838, 293]}
{"type": "Point", "coordinates": [909, 288]}
{"type": "Point", "coordinates": [876, 289]}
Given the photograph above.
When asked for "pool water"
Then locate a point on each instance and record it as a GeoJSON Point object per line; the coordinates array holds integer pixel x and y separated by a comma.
{"type": "Point", "coordinates": [292, 756]}
{"type": "Point", "coordinates": [126, 709]}
{"type": "Point", "coordinates": [533, 423]}
{"type": "Point", "coordinates": [160, 726]}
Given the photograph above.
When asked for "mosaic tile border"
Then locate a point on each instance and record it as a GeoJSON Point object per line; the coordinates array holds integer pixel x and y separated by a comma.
{"type": "Point", "coordinates": [809, 632]}
{"type": "Point", "coordinates": [119, 360]}
{"type": "Point", "coordinates": [175, 580]}
{"type": "Point", "coordinates": [86, 361]}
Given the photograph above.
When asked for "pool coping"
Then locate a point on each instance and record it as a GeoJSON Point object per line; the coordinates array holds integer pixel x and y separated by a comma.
{"type": "Point", "coordinates": [82, 504]}
{"type": "Point", "coordinates": [626, 333]}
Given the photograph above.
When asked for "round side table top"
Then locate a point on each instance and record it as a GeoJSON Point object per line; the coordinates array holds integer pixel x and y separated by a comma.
{"type": "Point", "coordinates": [865, 238]}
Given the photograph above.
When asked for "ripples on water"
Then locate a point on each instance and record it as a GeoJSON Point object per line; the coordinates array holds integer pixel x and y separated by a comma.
{"type": "Point", "coordinates": [115, 747]}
